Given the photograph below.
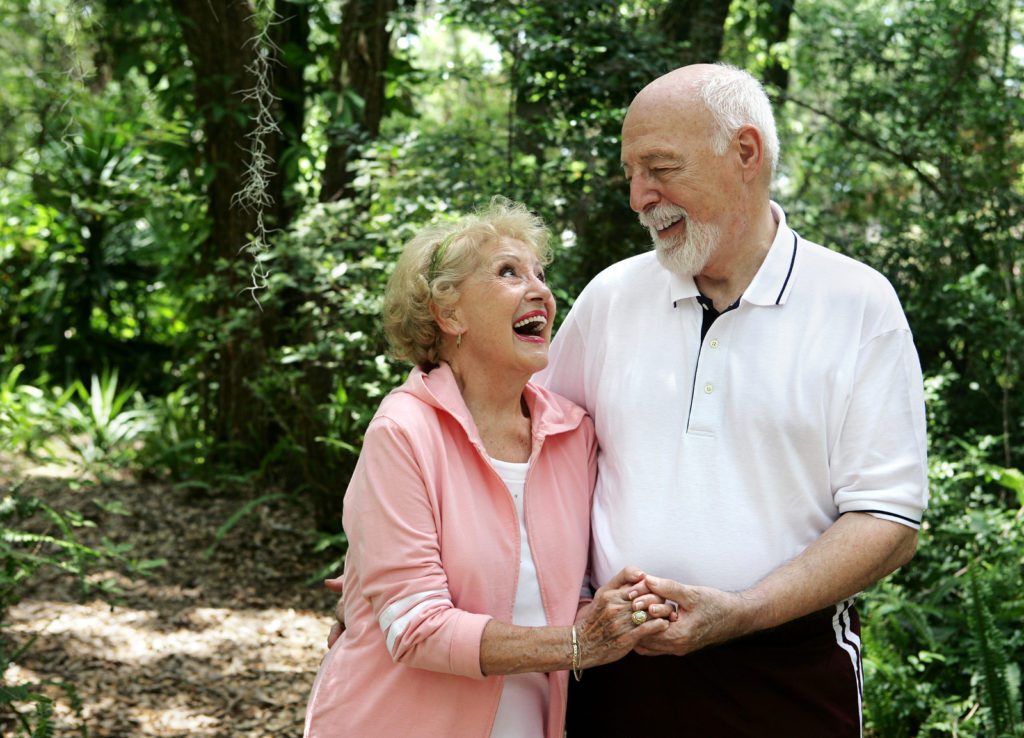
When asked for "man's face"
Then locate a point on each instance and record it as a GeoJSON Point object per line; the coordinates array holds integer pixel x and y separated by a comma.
{"type": "Point", "coordinates": [675, 182]}
{"type": "Point", "coordinates": [685, 253]}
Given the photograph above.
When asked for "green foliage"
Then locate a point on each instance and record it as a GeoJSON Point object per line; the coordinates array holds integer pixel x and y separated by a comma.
{"type": "Point", "coordinates": [98, 426]}
{"type": "Point", "coordinates": [33, 536]}
{"type": "Point", "coordinates": [327, 279]}
{"type": "Point", "coordinates": [999, 681]}
{"type": "Point", "coordinates": [923, 676]}
{"type": "Point", "coordinates": [175, 443]}
{"type": "Point", "coordinates": [906, 121]}
{"type": "Point", "coordinates": [236, 517]}
{"type": "Point", "coordinates": [24, 412]}
{"type": "Point", "coordinates": [901, 146]}
{"type": "Point", "coordinates": [336, 542]}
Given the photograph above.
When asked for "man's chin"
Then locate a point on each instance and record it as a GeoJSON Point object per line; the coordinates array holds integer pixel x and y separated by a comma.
{"type": "Point", "coordinates": [669, 257]}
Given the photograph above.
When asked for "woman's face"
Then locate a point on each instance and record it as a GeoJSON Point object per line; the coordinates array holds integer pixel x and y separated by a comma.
{"type": "Point", "coordinates": [505, 311]}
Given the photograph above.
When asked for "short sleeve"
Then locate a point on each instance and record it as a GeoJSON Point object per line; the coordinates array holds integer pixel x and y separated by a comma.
{"type": "Point", "coordinates": [879, 464]}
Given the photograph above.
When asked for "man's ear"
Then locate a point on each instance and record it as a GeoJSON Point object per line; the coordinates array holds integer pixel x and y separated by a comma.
{"type": "Point", "coordinates": [750, 146]}
{"type": "Point", "coordinates": [448, 319]}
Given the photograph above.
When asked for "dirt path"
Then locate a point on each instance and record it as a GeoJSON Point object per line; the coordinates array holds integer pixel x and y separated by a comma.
{"type": "Point", "coordinates": [225, 646]}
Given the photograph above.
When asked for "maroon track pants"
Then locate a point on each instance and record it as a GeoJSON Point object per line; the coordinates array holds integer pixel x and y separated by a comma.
{"type": "Point", "coordinates": [800, 680]}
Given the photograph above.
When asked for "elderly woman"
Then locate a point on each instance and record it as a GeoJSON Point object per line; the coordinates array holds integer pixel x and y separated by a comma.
{"type": "Point", "coordinates": [468, 511]}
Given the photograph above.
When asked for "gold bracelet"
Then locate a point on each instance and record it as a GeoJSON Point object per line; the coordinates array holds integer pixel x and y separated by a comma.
{"type": "Point", "coordinates": [576, 656]}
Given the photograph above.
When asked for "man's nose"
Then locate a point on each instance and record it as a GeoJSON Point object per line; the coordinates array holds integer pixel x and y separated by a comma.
{"type": "Point", "coordinates": [642, 193]}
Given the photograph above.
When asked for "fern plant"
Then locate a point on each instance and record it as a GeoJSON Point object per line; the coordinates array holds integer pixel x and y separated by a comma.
{"type": "Point", "coordinates": [24, 708]}
{"type": "Point", "coordinates": [999, 681]}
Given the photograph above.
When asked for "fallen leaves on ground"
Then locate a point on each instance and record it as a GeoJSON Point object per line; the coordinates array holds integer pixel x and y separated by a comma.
{"type": "Point", "coordinates": [225, 646]}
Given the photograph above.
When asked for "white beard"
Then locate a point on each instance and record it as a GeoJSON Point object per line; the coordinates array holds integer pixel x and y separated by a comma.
{"type": "Point", "coordinates": [685, 255]}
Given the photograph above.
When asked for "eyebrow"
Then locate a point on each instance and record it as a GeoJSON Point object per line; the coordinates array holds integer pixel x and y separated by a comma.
{"type": "Point", "coordinates": [655, 156]}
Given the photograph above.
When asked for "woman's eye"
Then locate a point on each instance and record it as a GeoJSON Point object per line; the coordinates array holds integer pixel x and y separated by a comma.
{"type": "Point", "coordinates": [507, 271]}
{"type": "Point", "coordinates": [542, 277]}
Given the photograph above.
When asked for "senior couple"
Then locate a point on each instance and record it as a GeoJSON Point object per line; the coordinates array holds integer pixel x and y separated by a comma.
{"type": "Point", "coordinates": [727, 434]}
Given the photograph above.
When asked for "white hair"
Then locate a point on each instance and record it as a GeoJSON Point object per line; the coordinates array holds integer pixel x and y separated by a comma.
{"type": "Point", "coordinates": [735, 98]}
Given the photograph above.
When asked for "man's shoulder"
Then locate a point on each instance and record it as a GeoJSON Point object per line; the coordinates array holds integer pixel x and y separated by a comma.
{"type": "Point", "coordinates": [637, 272]}
{"type": "Point", "coordinates": [831, 269]}
{"type": "Point", "coordinates": [847, 288]}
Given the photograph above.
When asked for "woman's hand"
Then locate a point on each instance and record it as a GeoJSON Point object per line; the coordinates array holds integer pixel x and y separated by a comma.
{"type": "Point", "coordinates": [337, 585]}
{"type": "Point", "coordinates": [657, 607]}
{"type": "Point", "coordinates": [605, 627]}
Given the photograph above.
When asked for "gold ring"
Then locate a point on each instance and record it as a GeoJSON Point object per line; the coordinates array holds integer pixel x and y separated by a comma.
{"type": "Point", "coordinates": [639, 617]}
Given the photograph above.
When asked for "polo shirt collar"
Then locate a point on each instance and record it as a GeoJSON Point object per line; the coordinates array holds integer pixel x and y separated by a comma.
{"type": "Point", "coordinates": [771, 285]}
{"type": "Point", "coordinates": [680, 288]}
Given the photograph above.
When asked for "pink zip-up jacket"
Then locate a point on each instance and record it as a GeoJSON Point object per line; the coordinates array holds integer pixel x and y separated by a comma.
{"type": "Point", "coordinates": [434, 553]}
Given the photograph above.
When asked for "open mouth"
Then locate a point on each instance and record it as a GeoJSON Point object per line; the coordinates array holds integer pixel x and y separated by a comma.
{"type": "Point", "coordinates": [531, 325]}
{"type": "Point", "coordinates": [662, 218]}
{"type": "Point", "coordinates": [665, 226]}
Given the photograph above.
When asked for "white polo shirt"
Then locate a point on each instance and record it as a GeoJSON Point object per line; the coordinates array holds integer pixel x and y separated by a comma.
{"type": "Point", "coordinates": [722, 458]}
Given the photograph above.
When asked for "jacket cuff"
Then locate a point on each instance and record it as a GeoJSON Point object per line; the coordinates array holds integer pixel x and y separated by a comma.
{"type": "Point", "coordinates": [465, 648]}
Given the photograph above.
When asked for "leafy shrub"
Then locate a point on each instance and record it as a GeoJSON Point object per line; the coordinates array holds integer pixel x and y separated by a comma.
{"type": "Point", "coordinates": [323, 381]}
{"type": "Point", "coordinates": [25, 412]}
{"type": "Point", "coordinates": [929, 632]}
{"type": "Point", "coordinates": [98, 426]}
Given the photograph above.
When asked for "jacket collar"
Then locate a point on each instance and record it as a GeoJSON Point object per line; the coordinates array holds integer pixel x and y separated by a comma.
{"type": "Point", "coordinates": [550, 414]}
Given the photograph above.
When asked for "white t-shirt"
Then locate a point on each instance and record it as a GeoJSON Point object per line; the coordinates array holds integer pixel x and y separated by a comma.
{"type": "Point", "coordinates": [722, 458]}
{"type": "Point", "coordinates": [523, 709]}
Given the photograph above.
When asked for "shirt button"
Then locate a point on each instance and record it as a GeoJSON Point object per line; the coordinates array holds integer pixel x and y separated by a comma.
{"type": "Point", "coordinates": [714, 343]}
{"type": "Point", "coordinates": [708, 389]}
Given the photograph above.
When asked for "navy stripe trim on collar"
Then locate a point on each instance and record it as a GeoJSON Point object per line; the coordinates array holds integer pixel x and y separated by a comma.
{"type": "Point", "coordinates": [890, 514]}
{"type": "Point", "coordinates": [792, 261]}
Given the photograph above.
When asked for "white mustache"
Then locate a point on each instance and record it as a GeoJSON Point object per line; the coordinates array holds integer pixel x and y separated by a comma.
{"type": "Point", "coordinates": [662, 216]}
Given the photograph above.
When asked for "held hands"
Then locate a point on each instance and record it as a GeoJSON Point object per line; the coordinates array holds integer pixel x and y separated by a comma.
{"type": "Point", "coordinates": [606, 628]}
{"type": "Point", "coordinates": [706, 616]}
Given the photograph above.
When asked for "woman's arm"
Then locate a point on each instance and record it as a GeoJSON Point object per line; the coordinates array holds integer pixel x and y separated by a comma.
{"type": "Point", "coordinates": [605, 632]}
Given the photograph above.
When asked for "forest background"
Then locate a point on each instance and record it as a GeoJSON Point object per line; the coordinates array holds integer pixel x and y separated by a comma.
{"type": "Point", "coordinates": [201, 200]}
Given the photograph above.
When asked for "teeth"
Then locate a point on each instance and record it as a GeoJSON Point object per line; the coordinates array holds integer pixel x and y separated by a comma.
{"type": "Point", "coordinates": [661, 217]}
{"type": "Point", "coordinates": [540, 319]}
{"type": "Point", "coordinates": [660, 225]}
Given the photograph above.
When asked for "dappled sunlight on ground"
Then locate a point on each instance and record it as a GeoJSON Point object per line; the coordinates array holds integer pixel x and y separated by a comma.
{"type": "Point", "coordinates": [262, 638]}
{"type": "Point", "coordinates": [209, 671]}
{"type": "Point", "coordinates": [218, 646]}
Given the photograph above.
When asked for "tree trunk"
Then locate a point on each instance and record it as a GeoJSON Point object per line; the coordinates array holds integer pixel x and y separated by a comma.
{"type": "Point", "coordinates": [363, 57]}
{"type": "Point", "coordinates": [218, 36]}
{"type": "Point", "coordinates": [290, 33]}
{"type": "Point", "coordinates": [698, 23]}
{"type": "Point", "coordinates": [774, 28]}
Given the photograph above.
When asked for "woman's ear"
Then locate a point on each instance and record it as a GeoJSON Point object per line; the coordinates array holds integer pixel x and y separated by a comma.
{"type": "Point", "coordinates": [448, 319]}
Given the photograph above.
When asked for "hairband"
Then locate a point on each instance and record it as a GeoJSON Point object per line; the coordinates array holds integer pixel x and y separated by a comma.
{"type": "Point", "coordinates": [438, 256]}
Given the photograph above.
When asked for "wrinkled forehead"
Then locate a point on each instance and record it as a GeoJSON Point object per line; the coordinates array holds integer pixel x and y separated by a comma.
{"type": "Point", "coordinates": [648, 139]}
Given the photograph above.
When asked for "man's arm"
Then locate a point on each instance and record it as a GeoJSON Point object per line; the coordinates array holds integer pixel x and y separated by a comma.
{"type": "Point", "coordinates": [856, 551]}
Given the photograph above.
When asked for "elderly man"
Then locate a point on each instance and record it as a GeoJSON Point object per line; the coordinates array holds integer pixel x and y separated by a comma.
{"type": "Point", "coordinates": [758, 402]}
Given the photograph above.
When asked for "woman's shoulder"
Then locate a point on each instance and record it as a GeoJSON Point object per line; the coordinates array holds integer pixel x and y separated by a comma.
{"type": "Point", "coordinates": [553, 412]}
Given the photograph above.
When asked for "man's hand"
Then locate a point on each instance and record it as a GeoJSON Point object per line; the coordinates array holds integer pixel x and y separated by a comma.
{"type": "Point", "coordinates": [706, 616]}
{"type": "Point", "coordinates": [337, 585]}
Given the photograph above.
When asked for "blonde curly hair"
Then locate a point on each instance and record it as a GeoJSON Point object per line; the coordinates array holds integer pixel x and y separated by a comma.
{"type": "Point", "coordinates": [434, 264]}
